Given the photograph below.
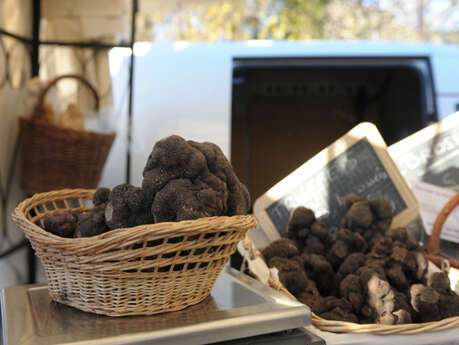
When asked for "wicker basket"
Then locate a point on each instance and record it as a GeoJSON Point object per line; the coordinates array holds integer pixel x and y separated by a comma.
{"type": "Point", "coordinates": [432, 253]}
{"type": "Point", "coordinates": [54, 157]}
{"type": "Point", "coordinates": [350, 327]}
{"type": "Point", "coordinates": [143, 270]}
{"type": "Point", "coordinates": [433, 249]}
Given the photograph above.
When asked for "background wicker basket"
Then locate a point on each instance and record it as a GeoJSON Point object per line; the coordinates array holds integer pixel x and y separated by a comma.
{"type": "Point", "coordinates": [54, 157]}
{"type": "Point", "coordinates": [433, 249]}
{"type": "Point", "coordinates": [147, 269]}
{"type": "Point", "coordinates": [432, 253]}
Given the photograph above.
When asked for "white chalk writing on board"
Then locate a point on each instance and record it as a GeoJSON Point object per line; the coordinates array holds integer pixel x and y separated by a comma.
{"type": "Point", "coordinates": [356, 163]}
{"type": "Point", "coordinates": [357, 170]}
{"type": "Point", "coordinates": [432, 154]}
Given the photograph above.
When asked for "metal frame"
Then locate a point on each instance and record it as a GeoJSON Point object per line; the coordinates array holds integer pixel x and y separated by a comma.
{"type": "Point", "coordinates": [34, 43]}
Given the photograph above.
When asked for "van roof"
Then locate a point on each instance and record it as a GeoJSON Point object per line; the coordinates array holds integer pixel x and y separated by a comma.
{"type": "Point", "coordinates": [311, 48]}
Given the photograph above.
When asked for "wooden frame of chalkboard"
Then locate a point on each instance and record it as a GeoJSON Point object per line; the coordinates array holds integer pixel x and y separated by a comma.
{"type": "Point", "coordinates": [432, 154]}
{"type": "Point", "coordinates": [358, 163]}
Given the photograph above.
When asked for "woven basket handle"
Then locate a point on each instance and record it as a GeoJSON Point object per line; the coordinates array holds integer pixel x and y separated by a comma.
{"type": "Point", "coordinates": [38, 109]}
{"type": "Point", "coordinates": [433, 249]}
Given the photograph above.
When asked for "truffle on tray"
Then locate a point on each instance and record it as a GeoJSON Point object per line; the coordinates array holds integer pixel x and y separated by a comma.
{"type": "Point", "coordinates": [368, 273]}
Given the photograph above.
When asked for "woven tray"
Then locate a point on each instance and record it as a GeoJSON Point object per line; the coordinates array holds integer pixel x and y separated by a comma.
{"type": "Point", "coordinates": [350, 327]}
{"type": "Point", "coordinates": [433, 249]}
{"type": "Point", "coordinates": [142, 270]}
{"type": "Point", "coordinates": [432, 253]}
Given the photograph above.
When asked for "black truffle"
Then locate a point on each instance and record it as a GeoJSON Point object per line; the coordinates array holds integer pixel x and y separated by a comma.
{"type": "Point", "coordinates": [91, 222]}
{"type": "Point", "coordinates": [291, 274]}
{"type": "Point", "coordinates": [321, 271]}
{"type": "Point", "coordinates": [425, 302]}
{"type": "Point", "coordinates": [299, 224]}
{"type": "Point", "coordinates": [101, 196]}
{"type": "Point", "coordinates": [127, 206]}
{"type": "Point", "coordinates": [314, 245]}
{"type": "Point", "coordinates": [350, 265]}
{"type": "Point", "coordinates": [449, 305]}
{"type": "Point", "coordinates": [61, 224]}
{"type": "Point", "coordinates": [351, 289]}
{"type": "Point", "coordinates": [338, 253]}
{"type": "Point", "coordinates": [310, 295]}
{"type": "Point", "coordinates": [381, 208]}
{"type": "Point", "coordinates": [359, 216]}
{"type": "Point", "coordinates": [354, 241]}
{"type": "Point", "coordinates": [397, 277]}
{"type": "Point", "coordinates": [340, 315]}
{"type": "Point", "coordinates": [201, 171]}
{"type": "Point", "coordinates": [439, 281]}
{"type": "Point", "coordinates": [283, 247]}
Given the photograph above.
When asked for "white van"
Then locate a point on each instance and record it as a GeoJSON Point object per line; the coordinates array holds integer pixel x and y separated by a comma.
{"type": "Point", "coordinates": [261, 101]}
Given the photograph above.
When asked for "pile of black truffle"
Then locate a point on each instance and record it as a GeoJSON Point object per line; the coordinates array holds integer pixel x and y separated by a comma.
{"type": "Point", "coordinates": [367, 274]}
{"type": "Point", "coordinates": [182, 180]}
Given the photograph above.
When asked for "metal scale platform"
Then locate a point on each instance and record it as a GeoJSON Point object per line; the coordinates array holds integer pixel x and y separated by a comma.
{"type": "Point", "coordinates": [240, 310]}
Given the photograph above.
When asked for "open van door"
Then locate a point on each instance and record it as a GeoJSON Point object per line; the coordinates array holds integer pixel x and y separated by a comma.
{"type": "Point", "coordinates": [285, 110]}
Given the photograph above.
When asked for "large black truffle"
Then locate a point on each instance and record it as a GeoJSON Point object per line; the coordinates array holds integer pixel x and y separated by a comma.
{"type": "Point", "coordinates": [189, 180]}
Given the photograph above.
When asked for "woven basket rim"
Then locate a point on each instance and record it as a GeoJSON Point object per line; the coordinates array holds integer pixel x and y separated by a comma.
{"type": "Point", "coordinates": [160, 229]}
{"type": "Point", "coordinates": [407, 328]}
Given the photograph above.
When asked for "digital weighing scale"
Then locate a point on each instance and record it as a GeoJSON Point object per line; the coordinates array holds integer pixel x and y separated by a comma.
{"type": "Point", "coordinates": [239, 310]}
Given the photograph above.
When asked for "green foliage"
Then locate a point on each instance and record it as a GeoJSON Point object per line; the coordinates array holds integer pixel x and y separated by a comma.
{"type": "Point", "coordinates": [230, 20]}
{"type": "Point", "coordinates": [304, 18]}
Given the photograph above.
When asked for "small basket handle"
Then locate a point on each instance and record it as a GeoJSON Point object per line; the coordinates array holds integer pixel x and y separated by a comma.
{"type": "Point", "coordinates": [38, 109]}
{"type": "Point", "coordinates": [433, 249]}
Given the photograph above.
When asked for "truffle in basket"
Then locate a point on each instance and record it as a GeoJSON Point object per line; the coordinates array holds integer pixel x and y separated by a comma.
{"type": "Point", "coordinates": [182, 180]}
{"type": "Point", "coordinates": [189, 180]}
{"type": "Point", "coordinates": [61, 224]}
{"type": "Point", "coordinates": [127, 206]}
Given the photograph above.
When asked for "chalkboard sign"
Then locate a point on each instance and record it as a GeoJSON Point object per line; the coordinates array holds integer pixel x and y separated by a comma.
{"type": "Point", "coordinates": [358, 170]}
{"type": "Point", "coordinates": [356, 163]}
{"type": "Point", "coordinates": [431, 155]}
